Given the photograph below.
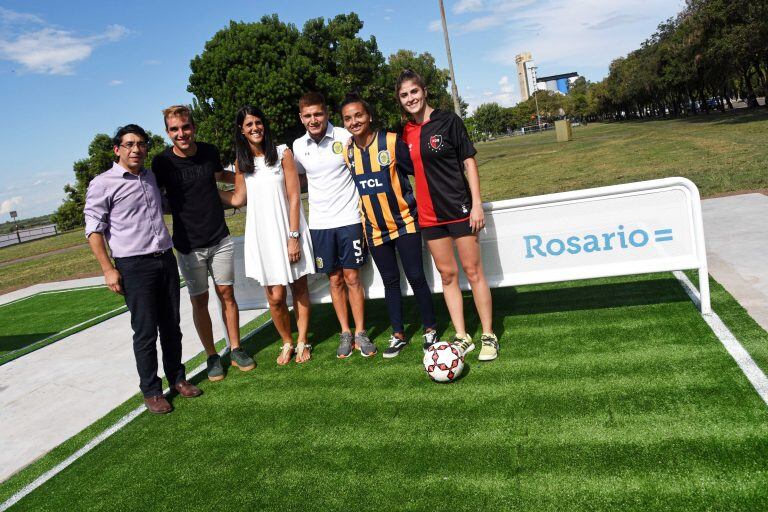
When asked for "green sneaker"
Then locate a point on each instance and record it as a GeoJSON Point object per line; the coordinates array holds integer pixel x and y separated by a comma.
{"type": "Point", "coordinates": [463, 343]}
{"type": "Point", "coordinates": [490, 347]}
{"type": "Point", "coordinates": [215, 369]}
{"type": "Point", "coordinates": [240, 359]}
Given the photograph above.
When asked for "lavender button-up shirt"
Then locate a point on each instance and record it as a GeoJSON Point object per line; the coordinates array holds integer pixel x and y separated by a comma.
{"type": "Point", "coordinates": [126, 209]}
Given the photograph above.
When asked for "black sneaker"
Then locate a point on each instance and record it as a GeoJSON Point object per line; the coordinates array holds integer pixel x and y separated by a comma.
{"type": "Point", "coordinates": [429, 339]}
{"type": "Point", "coordinates": [242, 360]}
{"type": "Point", "coordinates": [215, 369]}
{"type": "Point", "coordinates": [395, 346]}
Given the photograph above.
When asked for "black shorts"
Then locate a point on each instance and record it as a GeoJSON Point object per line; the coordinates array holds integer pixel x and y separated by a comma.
{"type": "Point", "coordinates": [454, 230]}
{"type": "Point", "coordinates": [341, 247]}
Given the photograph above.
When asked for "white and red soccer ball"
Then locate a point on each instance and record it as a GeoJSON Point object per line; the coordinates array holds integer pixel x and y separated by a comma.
{"type": "Point", "coordinates": [443, 362]}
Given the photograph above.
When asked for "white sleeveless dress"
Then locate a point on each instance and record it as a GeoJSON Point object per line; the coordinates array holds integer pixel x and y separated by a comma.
{"type": "Point", "coordinates": [267, 227]}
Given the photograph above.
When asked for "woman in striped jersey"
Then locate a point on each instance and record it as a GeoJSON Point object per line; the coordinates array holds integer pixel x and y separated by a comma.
{"type": "Point", "coordinates": [379, 162]}
{"type": "Point", "coordinates": [450, 208]}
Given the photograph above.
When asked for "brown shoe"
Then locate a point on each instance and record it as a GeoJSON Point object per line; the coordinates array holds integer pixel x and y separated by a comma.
{"type": "Point", "coordinates": [157, 404]}
{"type": "Point", "coordinates": [187, 389]}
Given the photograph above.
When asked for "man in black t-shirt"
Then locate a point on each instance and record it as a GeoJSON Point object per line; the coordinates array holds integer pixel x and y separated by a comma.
{"type": "Point", "coordinates": [188, 172]}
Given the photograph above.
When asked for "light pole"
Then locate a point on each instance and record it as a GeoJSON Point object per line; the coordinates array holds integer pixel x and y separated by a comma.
{"type": "Point", "coordinates": [454, 89]}
{"type": "Point", "coordinates": [535, 99]}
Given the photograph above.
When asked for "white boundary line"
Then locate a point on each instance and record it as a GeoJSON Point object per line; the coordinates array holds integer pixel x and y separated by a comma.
{"type": "Point", "coordinates": [93, 443]}
{"type": "Point", "coordinates": [48, 292]}
{"type": "Point", "coordinates": [739, 354]}
{"type": "Point", "coordinates": [65, 330]}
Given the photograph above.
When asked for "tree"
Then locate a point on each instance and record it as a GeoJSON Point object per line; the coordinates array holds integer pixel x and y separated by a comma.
{"type": "Point", "coordinates": [489, 118]}
{"type": "Point", "coordinates": [100, 158]}
{"type": "Point", "coordinates": [270, 64]}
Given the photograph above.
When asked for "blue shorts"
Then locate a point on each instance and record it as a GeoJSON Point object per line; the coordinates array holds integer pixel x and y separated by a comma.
{"type": "Point", "coordinates": [341, 247]}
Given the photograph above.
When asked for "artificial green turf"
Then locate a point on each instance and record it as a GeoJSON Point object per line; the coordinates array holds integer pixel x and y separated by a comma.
{"type": "Point", "coordinates": [608, 395]}
{"type": "Point", "coordinates": [26, 322]}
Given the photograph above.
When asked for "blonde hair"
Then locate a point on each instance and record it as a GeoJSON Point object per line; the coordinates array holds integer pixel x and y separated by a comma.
{"type": "Point", "coordinates": [177, 111]}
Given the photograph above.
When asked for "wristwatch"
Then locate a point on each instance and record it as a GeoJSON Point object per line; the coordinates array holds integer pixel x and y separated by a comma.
{"type": "Point", "coordinates": [294, 234]}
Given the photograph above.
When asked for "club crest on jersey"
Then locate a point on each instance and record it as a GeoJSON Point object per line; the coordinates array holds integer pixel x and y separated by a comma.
{"type": "Point", "coordinates": [435, 142]}
{"type": "Point", "coordinates": [337, 147]}
{"type": "Point", "coordinates": [384, 158]}
{"type": "Point", "coordinates": [319, 262]}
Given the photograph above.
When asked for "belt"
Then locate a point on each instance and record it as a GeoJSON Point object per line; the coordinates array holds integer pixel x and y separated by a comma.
{"type": "Point", "coordinates": [157, 254]}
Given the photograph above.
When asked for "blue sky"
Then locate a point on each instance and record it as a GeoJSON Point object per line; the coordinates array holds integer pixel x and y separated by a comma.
{"type": "Point", "coordinates": [69, 70]}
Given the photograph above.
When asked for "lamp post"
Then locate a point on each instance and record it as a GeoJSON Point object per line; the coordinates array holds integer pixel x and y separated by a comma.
{"type": "Point", "coordinates": [535, 99]}
{"type": "Point", "coordinates": [454, 89]}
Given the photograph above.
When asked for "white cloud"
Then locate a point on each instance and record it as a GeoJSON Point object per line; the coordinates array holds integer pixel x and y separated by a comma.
{"type": "Point", "coordinates": [506, 95]}
{"type": "Point", "coordinates": [50, 50]}
{"type": "Point", "coordinates": [9, 204]}
{"type": "Point", "coordinates": [467, 6]}
{"type": "Point", "coordinates": [8, 16]}
{"type": "Point", "coordinates": [435, 26]}
{"type": "Point", "coordinates": [564, 36]}
{"type": "Point", "coordinates": [115, 82]}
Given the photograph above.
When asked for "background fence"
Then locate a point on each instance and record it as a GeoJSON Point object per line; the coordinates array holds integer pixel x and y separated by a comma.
{"type": "Point", "coordinates": [24, 235]}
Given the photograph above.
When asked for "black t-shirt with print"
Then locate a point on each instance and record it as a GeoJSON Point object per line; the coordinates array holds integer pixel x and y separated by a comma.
{"type": "Point", "coordinates": [190, 185]}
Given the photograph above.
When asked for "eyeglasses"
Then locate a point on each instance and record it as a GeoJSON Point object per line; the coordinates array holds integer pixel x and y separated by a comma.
{"type": "Point", "coordinates": [130, 145]}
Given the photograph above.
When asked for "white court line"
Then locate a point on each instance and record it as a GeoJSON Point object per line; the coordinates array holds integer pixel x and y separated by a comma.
{"type": "Point", "coordinates": [65, 330]}
{"type": "Point", "coordinates": [93, 443]}
{"type": "Point", "coordinates": [739, 354]}
{"type": "Point", "coordinates": [48, 292]}
{"type": "Point", "coordinates": [66, 290]}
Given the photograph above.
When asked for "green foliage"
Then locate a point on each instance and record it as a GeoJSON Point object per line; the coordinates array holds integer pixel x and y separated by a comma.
{"type": "Point", "coordinates": [101, 155]}
{"type": "Point", "coordinates": [489, 118]}
{"type": "Point", "coordinates": [270, 64]}
{"type": "Point", "coordinates": [712, 51]}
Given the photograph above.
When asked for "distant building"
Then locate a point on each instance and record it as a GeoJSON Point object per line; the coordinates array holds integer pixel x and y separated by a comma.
{"type": "Point", "coordinates": [526, 74]}
{"type": "Point", "coordinates": [557, 83]}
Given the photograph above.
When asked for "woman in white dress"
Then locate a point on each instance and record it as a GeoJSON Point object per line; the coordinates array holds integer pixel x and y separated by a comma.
{"type": "Point", "coordinates": [278, 249]}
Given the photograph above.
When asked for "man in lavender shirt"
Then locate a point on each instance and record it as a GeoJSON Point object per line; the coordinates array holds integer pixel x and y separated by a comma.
{"type": "Point", "coordinates": [123, 210]}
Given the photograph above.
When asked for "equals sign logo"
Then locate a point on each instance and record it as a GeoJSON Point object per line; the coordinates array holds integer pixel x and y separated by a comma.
{"type": "Point", "coordinates": [663, 235]}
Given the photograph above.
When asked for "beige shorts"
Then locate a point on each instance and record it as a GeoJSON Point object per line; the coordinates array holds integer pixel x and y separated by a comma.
{"type": "Point", "coordinates": [217, 260]}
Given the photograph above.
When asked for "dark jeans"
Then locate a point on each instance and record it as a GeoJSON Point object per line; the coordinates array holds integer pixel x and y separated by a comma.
{"type": "Point", "coordinates": [151, 286]}
{"type": "Point", "coordinates": [409, 248]}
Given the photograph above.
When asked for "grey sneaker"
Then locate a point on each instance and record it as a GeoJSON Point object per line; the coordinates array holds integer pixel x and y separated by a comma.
{"type": "Point", "coordinates": [395, 346]}
{"type": "Point", "coordinates": [215, 369]}
{"type": "Point", "coordinates": [464, 344]}
{"type": "Point", "coordinates": [429, 339]}
{"type": "Point", "coordinates": [366, 346]}
{"type": "Point", "coordinates": [241, 359]}
{"type": "Point", "coordinates": [345, 345]}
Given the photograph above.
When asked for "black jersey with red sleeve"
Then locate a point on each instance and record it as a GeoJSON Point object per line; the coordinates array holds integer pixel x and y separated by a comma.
{"type": "Point", "coordinates": [438, 148]}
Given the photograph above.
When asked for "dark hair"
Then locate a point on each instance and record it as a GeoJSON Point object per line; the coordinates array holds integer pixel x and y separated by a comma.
{"type": "Point", "coordinates": [353, 97]}
{"type": "Point", "coordinates": [125, 130]}
{"type": "Point", "coordinates": [312, 98]}
{"type": "Point", "coordinates": [243, 152]}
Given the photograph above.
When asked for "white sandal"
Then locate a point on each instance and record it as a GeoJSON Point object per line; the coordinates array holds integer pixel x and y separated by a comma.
{"type": "Point", "coordinates": [301, 347]}
{"type": "Point", "coordinates": [286, 351]}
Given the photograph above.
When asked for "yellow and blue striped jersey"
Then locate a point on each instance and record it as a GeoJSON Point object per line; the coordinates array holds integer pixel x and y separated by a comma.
{"type": "Point", "coordinates": [380, 172]}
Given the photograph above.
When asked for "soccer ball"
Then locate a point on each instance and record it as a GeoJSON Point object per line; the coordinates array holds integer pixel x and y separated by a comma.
{"type": "Point", "coordinates": [443, 362]}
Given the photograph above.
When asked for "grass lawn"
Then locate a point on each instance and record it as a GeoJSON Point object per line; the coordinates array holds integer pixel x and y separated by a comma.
{"type": "Point", "coordinates": [41, 319]}
{"type": "Point", "coordinates": [609, 394]}
{"type": "Point", "coordinates": [721, 153]}
{"type": "Point", "coordinates": [35, 247]}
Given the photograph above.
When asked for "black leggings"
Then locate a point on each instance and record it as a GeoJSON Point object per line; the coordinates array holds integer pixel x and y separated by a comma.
{"type": "Point", "coordinates": [409, 248]}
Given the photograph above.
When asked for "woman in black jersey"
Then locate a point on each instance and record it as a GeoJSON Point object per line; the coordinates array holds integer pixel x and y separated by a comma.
{"type": "Point", "coordinates": [450, 208]}
{"type": "Point", "coordinates": [380, 162]}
